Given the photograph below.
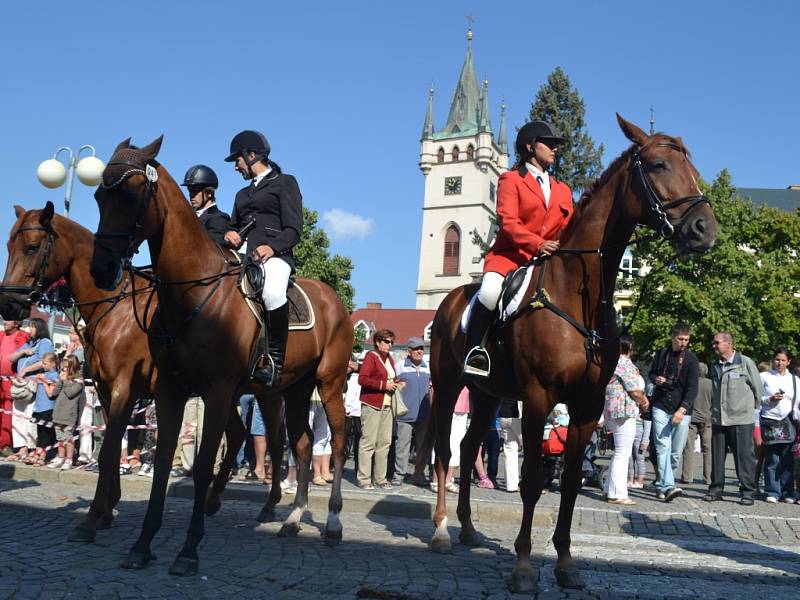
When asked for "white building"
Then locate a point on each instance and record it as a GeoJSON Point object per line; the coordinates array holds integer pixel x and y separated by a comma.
{"type": "Point", "coordinates": [461, 164]}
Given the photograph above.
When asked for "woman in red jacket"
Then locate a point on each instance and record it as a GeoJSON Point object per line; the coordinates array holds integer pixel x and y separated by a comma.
{"type": "Point", "coordinates": [532, 208]}
{"type": "Point", "coordinates": [377, 381]}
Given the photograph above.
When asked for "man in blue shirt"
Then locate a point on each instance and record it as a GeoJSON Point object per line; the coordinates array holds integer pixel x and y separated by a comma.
{"type": "Point", "coordinates": [416, 374]}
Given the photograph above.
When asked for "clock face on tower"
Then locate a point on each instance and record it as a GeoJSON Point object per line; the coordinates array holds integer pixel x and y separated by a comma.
{"type": "Point", "coordinates": [452, 186]}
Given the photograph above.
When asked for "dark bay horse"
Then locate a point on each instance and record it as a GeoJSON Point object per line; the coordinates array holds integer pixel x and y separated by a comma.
{"type": "Point", "coordinates": [203, 335]}
{"type": "Point", "coordinates": [543, 358]}
{"type": "Point", "coordinates": [44, 247]}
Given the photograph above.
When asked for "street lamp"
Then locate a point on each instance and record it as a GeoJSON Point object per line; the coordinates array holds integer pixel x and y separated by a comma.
{"type": "Point", "coordinates": [51, 173]}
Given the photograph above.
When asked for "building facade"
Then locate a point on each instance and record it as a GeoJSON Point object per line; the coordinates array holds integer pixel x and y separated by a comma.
{"type": "Point", "coordinates": [461, 163]}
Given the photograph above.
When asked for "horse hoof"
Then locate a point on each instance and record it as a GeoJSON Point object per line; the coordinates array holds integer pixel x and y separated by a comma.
{"type": "Point", "coordinates": [81, 533]}
{"type": "Point", "coordinates": [569, 578]}
{"type": "Point", "coordinates": [333, 538]}
{"type": "Point", "coordinates": [441, 545]}
{"type": "Point", "coordinates": [267, 515]}
{"type": "Point", "coordinates": [137, 560]}
{"type": "Point", "coordinates": [105, 522]}
{"type": "Point", "coordinates": [289, 530]}
{"type": "Point", "coordinates": [184, 566]}
{"type": "Point", "coordinates": [469, 538]}
{"type": "Point", "coordinates": [524, 582]}
{"type": "Point", "coordinates": [213, 506]}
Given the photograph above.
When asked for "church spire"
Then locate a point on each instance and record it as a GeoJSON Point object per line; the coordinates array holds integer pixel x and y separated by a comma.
{"type": "Point", "coordinates": [484, 120]}
{"type": "Point", "coordinates": [502, 138]}
{"type": "Point", "coordinates": [427, 128]}
{"type": "Point", "coordinates": [464, 107]}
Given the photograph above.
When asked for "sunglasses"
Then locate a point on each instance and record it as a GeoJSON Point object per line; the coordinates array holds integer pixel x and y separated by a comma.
{"type": "Point", "coordinates": [387, 341]}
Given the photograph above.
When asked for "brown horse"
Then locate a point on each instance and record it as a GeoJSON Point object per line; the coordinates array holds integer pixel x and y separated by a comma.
{"type": "Point", "coordinates": [542, 357]}
{"type": "Point", "coordinates": [42, 248]}
{"type": "Point", "coordinates": [204, 335]}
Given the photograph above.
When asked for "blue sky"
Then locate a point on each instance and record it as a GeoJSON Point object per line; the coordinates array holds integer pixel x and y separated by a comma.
{"type": "Point", "coordinates": [340, 90]}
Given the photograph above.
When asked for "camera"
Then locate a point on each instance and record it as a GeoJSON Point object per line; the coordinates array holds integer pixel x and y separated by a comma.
{"type": "Point", "coordinates": [669, 384]}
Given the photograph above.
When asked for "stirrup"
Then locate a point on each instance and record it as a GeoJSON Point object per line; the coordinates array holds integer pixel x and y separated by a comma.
{"type": "Point", "coordinates": [266, 374]}
{"type": "Point", "coordinates": [478, 362]}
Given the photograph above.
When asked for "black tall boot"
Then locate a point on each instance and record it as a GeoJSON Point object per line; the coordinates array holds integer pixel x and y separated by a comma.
{"type": "Point", "coordinates": [476, 361]}
{"type": "Point", "coordinates": [278, 325]}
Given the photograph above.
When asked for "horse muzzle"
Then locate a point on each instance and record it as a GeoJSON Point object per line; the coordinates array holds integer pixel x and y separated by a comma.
{"type": "Point", "coordinates": [698, 233]}
{"type": "Point", "coordinates": [14, 306]}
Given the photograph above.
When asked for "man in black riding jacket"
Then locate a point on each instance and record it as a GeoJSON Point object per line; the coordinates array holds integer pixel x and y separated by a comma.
{"type": "Point", "coordinates": [201, 183]}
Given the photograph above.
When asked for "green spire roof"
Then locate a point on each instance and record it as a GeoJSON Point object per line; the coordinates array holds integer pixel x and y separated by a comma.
{"type": "Point", "coordinates": [484, 121]}
{"type": "Point", "coordinates": [463, 117]}
{"type": "Point", "coordinates": [502, 138]}
{"type": "Point", "coordinates": [427, 127]}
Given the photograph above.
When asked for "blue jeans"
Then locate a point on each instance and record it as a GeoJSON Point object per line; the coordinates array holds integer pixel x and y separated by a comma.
{"type": "Point", "coordinates": [778, 470]}
{"type": "Point", "coordinates": [670, 440]}
{"type": "Point", "coordinates": [246, 401]}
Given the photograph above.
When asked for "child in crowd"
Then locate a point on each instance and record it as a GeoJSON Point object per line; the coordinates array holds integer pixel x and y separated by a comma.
{"type": "Point", "coordinates": [70, 400]}
{"type": "Point", "coordinates": [43, 407]}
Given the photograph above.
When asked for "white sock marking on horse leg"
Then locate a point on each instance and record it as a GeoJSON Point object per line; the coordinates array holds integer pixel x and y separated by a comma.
{"type": "Point", "coordinates": [295, 515]}
{"type": "Point", "coordinates": [441, 531]}
{"type": "Point", "coordinates": [333, 524]}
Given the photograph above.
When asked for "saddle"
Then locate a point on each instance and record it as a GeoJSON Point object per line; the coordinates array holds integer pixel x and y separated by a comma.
{"type": "Point", "coordinates": [514, 287]}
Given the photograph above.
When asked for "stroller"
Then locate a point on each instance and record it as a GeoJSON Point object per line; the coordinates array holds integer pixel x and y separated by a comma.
{"type": "Point", "coordinates": [553, 446]}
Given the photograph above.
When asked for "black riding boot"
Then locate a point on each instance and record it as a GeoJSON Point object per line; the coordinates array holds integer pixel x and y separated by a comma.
{"type": "Point", "coordinates": [477, 360]}
{"type": "Point", "coordinates": [278, 324]}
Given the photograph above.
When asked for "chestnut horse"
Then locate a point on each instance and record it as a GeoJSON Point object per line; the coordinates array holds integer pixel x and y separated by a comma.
{"type": "Point", "coordinates": [542, 357]}
{"type": "Point", "coordinates": [42, 248]}
{"type": "Point", "coordinates": [203, 335]}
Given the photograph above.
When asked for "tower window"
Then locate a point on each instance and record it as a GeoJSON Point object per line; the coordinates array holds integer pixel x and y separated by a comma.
{"type": "Point", "coordinates": [455, 153]}
{"type": "Point", "coordinates": [452, 247]}
{"type": "Point", "coordinates": [470, 152]}
{"type": "Point", "coordinates": [440, 155]}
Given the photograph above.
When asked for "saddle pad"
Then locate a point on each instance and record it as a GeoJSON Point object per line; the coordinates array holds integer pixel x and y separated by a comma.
{"type": "Point", "coordinates": [514, 303]}
{"type": "Point", "coordinates": [301, 312]}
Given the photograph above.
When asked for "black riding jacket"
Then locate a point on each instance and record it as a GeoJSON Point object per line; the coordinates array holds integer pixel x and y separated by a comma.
{"type": "Point", "coordinates": [217, 224]}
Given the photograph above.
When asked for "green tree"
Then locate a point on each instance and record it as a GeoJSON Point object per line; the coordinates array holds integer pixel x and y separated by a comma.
{"type": "Point", "coordinates": [314, 260]}
{"type": "Point", "coordinates": [748, 283]}
{"type": "Point", "coordinates": [578, 162]}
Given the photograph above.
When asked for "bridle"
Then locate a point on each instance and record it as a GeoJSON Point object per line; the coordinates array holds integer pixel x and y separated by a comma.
{"type": "Point", "coordinates": [148, 192]}
{"type": "Point", "coordinates": [658, 209]}
{"type": "Point", "coordinates": [37, 289]}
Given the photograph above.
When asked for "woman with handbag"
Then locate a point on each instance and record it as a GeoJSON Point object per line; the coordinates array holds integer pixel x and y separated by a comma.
{"type": "Point", "coordinates": [779, 427]}
{"type": "Point", "coordinates": [377, 379]}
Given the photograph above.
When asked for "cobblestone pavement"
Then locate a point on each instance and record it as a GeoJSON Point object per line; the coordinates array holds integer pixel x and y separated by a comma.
{"type": "Point", "coordinates": [686, 549]}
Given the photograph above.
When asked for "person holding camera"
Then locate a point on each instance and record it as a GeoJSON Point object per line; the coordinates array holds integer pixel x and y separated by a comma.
{"type": "Point", "coordinates": [675, 372]}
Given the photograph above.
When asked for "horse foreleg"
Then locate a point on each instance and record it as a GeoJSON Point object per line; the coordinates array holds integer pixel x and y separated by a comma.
{"type": "Point", "coordinates": [444, 402]}
{"type": "Point", "coordinates": [566, 571]}
{"type": "Point", "coordinates": [333, 403]}
{"type": "Point", "coordinates": [523, 577]}
{"type": "Point", "coordinates": [235, 434]}
{"type": "Point", "coordinates": [107, 493]}
{"type": "Point", "coordinates": [484, 409]}
{"type": "Point", "coordinates": [169, 414]}
{"type": "Point", "coordinates": [301, 436]}
{"type": "Point", "coordinates": [218, 402]}
{"type": "Point", "coordinates": [271, 412]}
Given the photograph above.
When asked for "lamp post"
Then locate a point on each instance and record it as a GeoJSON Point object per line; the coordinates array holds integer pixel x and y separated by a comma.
{"type": "Point", "coordinates": [52, 173]}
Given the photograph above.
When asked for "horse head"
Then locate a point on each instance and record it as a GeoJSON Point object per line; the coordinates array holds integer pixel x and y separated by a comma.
{"type": "Point", "coordinates": [665, 192]}
{"type": "Point", "coordinates": [129, 213]}
{"type": "Point", "coordinates": [31, 267]}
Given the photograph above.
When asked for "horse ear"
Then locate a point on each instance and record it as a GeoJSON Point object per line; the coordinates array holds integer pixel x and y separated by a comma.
{"type": "Point", "coordinates": [123, 144]}
{"type": "Point", "coordinates": [151, 150]}
{"type": "Point", "coordinates": [18, 210]}
{"type": "Point", "coordinates": [47, 215]}
{"type": "Point", "coordinates": [632, 132]}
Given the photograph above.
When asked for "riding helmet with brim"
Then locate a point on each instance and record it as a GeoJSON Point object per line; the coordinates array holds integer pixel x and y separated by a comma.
{"type": "Point", "coordinates": [248, 141]}
{"type": "Point", "coordinates": [535, 131]}
{"type": "Point", "coordinates": [200, 176]}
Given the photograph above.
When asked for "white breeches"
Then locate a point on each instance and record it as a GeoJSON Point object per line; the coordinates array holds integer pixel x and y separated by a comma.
{"type": "Point", "coordinates": [276, 280]}
{"type": "Point", "coordinates": [491, 286]}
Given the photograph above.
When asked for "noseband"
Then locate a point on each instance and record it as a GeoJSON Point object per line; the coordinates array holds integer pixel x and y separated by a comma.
{"type": "Point", "coordinates": [151, 175]}
{"type": "Point", "coordinates": [658, 208]}
{"type": "Point", "coordinates": [36, 290]}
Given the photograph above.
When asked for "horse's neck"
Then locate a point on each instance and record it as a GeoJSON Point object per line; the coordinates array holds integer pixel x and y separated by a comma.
{"type": "Point", "coordinates": [599, 224]}
{"type": "Point", "coordinates": [181, 249]}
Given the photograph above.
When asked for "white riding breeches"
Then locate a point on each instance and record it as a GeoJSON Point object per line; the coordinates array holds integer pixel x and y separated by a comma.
{"type": "Point", "coordinates": [276, 280]}
{"type": "Point", "coordinates": [491, 286]}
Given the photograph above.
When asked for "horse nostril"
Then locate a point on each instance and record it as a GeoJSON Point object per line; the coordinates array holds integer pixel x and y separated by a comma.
{"type": "Point", "coordinates": [699, 226]}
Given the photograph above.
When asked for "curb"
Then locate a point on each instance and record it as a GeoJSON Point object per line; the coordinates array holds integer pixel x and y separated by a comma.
{"type": "Point", "coordinates": [418, 505]}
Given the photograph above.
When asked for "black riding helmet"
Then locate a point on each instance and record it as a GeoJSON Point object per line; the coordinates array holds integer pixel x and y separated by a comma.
{"type": "Point", "coordinates": [248, 141]}
{"type": "Point", "coordinates": [200, 176]}
{"type": "Point", "coordinates": [533, 131]}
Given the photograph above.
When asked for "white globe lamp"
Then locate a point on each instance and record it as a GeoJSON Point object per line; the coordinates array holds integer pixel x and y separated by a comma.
{"type": "Point", "coordinates": [51, 173]}
{"type": "Point", "coordinates": [90, 170]}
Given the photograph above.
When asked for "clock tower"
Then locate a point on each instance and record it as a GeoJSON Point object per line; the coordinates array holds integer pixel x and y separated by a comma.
{"type": "Point", "coordinates": [461, 164]}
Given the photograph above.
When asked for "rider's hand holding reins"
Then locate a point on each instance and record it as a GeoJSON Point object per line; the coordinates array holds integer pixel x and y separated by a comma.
{"type": "Point", "coordinates": [548, 247]}
{"type": "Point", "coordinates": [233, 238]}
{"type": "Point", "coordinates": [263, 252]}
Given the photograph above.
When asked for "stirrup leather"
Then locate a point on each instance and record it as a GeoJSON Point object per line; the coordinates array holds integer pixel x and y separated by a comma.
{"type": "Point", "coordinates": [478, 362]}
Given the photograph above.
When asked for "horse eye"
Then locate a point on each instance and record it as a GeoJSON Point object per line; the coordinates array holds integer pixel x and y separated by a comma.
{"type": "Point", "coordinates": [31, 248]}
{"type": "Point", "coordinates": [659, 165]}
